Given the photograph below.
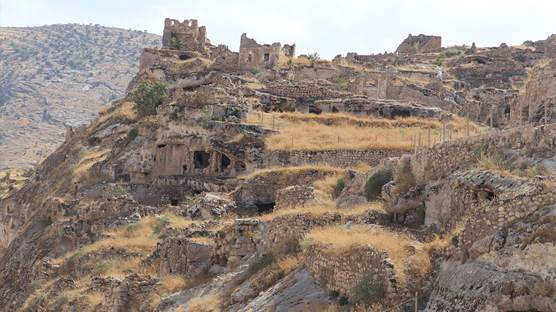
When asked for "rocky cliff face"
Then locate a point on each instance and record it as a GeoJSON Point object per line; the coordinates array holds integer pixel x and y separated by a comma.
{"type": "Point", "coordinates": [166, 201]}
{"type": "Point", "coordinates": [59, 76]}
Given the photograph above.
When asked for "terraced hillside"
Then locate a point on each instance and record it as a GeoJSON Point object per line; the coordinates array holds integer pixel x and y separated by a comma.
{"type": "Point", "coordinates": [56, 76]}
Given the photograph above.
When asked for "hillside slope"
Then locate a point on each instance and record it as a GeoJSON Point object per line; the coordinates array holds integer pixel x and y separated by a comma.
{"type": "Point", "coordinates": [57, 76]}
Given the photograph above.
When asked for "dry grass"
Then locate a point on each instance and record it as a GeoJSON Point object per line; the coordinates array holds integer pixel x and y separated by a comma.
{"type": "Point", "coordinates": [297, 131]}
{"type": "Point", "coordinates": [88, 159]}
{"type": "Point", "coordinates": [328, 184]}
{"type": "Point", "coordinates": [170, 284]}
{"type": "Point", "coordinates": [406, 253]}
{"type": "Point", "coordinates": [321, 206]}
{"type": "Point", "coordinates": [125, 110]}
{"type": "Point", "coordinates": [210, 303]}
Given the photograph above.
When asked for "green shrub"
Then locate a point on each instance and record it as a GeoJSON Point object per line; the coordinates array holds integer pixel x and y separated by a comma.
{"type": "Point", "coordinates": [161, 223]}
{"type": "Point", "coordinates": [148, 96]}
{"type": "Point", "coordinates": [376, 181]}
{"type": "Point", "coordinates": [256, 70]}
{"type": "Point", "coordinates": [313, 58]}
{"type": "Point", "coordinates": [369, 289]}
{"type": "Point", "coordinates": [343, 300]}
{"type": "Point", "coordinates": [132, 134]}
{"type": "Point", "coordinates": [340, 185]}
{"type": "Point", "coordinates": [261, 263]}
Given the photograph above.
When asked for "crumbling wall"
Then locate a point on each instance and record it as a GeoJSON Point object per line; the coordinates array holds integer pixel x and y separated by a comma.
{"type": "Point", "coordinates": [253, 55]}
{"type": "Point", "coordinates": [341, 272]}
{"type": "Point", "coordinates": [336, 158]}
{"type": "Point", "coordinates": [437, 162]}
{"type": "Point", "coordinates": [293, 196]}
{"type": "Point", "coordinates": [537, 104]}
{"type": "Point", "coordinates": [302, 91]}
{"type": "Point", "coordinates": [420, 44]}
{"type": "Point", "coordinates": [186, 35]}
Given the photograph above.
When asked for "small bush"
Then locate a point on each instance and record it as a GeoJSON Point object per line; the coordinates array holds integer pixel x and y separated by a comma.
{"type": "Point", "coordinates": [376, 181]}
{"type": "Point", "coordinates": [148, 96]}
{"type": "Point", "coordinates": [313, 58]}
{"type": "Point", "coordinates": [132, 134]}
{"type": "Point", "coordinates": [261, 263]}
{"type": "Point", "coordinates": [256, 70]}
{"type": "Point", "coordinates": [161, 223]}
{"type": "Point", "coordinates": [340, 185]}
{"type": "Point", "coordinates": [369, 289]}
{"type": "Point", "coordinates": [343, 300]}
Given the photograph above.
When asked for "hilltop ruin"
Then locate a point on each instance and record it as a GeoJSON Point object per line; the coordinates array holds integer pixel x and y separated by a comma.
{"type": "Point", "coordinates": [259, 180]}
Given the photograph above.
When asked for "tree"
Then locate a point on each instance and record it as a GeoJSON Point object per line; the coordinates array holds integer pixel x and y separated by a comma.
{"type": "Point", "coordinates": [148, 96]}
{"type": "Point", "coordinates": [313, 58]}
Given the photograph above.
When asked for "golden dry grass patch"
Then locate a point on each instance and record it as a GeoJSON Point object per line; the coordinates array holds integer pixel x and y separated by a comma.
{"type": "Point", "coordinates": [208, 303]}
{"type": "Point", "coordinates": [125, 110]}
{"type": "Point", "coordinates": [297, 131]}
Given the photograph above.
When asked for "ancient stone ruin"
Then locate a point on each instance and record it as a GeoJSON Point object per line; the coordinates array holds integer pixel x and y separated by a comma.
{"type": "Point", "coordinates": [253, 55]}
{"type": "Point", "coordinates": [186, 35]}
{"type": "Point", "coordinates": [420, 44]}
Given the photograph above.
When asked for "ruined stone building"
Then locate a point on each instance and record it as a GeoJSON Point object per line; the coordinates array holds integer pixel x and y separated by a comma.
{"type": "Point", "coordinates": [253, 55]}
{"type": "Point", "coordinates": [420, 44]}
{"type": "Point", "coordinates": [184, 36]}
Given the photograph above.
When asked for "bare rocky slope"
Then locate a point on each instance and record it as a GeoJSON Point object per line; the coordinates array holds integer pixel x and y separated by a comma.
{"type": "Point", "coordinates": [261, 181]}
{"type": "Point", "coordinates": [58, 76]}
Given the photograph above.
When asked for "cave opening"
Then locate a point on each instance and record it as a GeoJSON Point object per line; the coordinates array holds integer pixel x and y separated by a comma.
{"type": "Point", "coordinates": [201, 159]}
{"type": "Point", "coordinates": [225, 162]}
{"type": "Point", "coordinates": [263, 208]}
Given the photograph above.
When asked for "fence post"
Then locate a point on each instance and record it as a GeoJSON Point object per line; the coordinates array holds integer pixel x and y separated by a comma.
{"type": "Point", "coordinates": [419, 144]}
{"type": "Point", "coordinates": [429, 138]}
{"type": "Point", "coordinates": [416, 302]}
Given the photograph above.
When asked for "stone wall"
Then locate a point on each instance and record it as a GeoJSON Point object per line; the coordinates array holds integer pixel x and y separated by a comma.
{"type": "Point", "coordinates": [184, 36]}
{"type": "Point", "coordinates": [337, 158]}
{"type": "Point", "coordinates": [181, 255]}
{"type": "Point", "coordinates": [437, 162]}
{"type": "Point", "coordinates": [253, 55]}
{"type": "Point", "coordinates": [246, 237]}
{"type": "Point", "coordinates": [293, 196]}
{"type": "Point", "coordinates": [303, 91]}
{"type": "Point", "coordinates": [420, 44]}
{"type": "Point", "coordinates": [539, 95]}
{"type": "Point", "coordinates": [341, 272]}
{"type": "Point", "coordinates": [489, 201]}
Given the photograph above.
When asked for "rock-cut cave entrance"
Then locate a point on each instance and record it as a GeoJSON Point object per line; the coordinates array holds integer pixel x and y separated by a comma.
{"type": "Point", "coordinates": [201, 159]}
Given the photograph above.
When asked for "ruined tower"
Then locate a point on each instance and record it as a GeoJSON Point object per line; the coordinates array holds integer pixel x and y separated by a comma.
{"type": "Point", "coordinates": [253, 55]}
{"type": "Point", "coordinates": [184, 36]}
{"type": "Point", "coordinates": [420, 44]}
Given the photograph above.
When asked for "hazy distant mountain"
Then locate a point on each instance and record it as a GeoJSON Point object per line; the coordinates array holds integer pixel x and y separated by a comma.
{"type": "Point", "coordinates": [58, 75]}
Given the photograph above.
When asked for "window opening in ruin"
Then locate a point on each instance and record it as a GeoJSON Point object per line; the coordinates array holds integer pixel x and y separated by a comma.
{"type": "Point", "coordinates": [334, 109]}
{"type": "Point", "coordinates": [201, 159]}
{"type": "Point", "coordinates": [225, 162]}
{"type": "Point", "coordinates": [263, 208]}
{"type": "Point", "coordinates": [174, 202]}
{"type": "Point", "coordinates": [184, 169]}
{"type": "Point", "coordinates": [250, 58]}
{"type": "Point", "coordinates": [161, 145]}
{"type": "Point", "coordinates": [267, 57]}
{"type": "Point", "coordinates": [183, 57]}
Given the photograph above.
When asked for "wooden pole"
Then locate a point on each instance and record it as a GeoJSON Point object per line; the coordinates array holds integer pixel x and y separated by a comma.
{"type": "Point", "coordinates": [419, 144]}
{"type": "Point", "coordinates": [429, 138]}
{"type": "Point", "coordinates": [416, 302]}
